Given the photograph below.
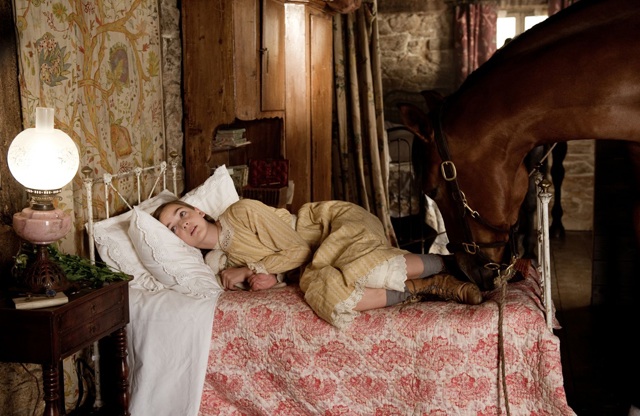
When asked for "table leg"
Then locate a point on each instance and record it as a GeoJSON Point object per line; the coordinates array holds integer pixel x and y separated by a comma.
{"type": "Point", "coordinates": [51, 389]}
{"type": "Point", "coordinates": [122, 393]}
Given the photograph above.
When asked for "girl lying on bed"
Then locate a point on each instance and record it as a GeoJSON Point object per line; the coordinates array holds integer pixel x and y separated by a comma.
{"type": "Point", "coordinates": [346, 262]}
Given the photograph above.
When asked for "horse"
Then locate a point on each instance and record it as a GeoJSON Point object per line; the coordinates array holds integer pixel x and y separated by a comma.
{"type": "Point", "coordinates": [575, 76]}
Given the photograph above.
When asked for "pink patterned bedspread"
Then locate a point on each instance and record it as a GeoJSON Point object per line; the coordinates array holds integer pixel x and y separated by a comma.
{"type": "Point", "coordinates": [271, 355]}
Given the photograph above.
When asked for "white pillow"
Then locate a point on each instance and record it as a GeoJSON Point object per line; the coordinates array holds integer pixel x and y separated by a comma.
{"type": "Point", "coordinates": [115, 248]}
{"type": "Point", "coordinates": [173, 262]}
{"type": "Point", "coordinates": [214, 195]}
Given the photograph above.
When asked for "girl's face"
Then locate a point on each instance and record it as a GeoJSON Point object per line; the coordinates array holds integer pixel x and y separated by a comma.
{"type": "Point", "coordinates": [187, 223]}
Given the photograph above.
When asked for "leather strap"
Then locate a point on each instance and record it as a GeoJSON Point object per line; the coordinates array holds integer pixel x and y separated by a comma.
{"type": "Point", "coordinates": [449, 173]}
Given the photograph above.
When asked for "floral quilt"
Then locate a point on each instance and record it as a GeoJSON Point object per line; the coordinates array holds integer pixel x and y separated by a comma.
{"type": "Point", "coordinates": [271, 355]}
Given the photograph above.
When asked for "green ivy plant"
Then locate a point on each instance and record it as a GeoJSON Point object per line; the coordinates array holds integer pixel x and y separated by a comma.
{"type": "Point", "coordinates": [77, 269]}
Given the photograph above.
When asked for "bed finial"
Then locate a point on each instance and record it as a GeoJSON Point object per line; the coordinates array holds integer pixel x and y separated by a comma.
{"type": "Point", "coordinates": [174, 170]}
{"type": "Point", "coordinates": [86, 171]}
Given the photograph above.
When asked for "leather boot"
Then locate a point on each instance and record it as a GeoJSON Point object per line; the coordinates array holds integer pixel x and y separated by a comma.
{"type": "Point", "coordinates": [464, 267]}
{"type": "Point", "coordinates": [446, 287]}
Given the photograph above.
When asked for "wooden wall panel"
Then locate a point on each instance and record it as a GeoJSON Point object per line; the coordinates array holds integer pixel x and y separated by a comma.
{"type": "Point", "coordinates": [321, 78]}
{"type": "Point", "coordinates": [297, 101]}
{"type": "Point", "coordinates": [208, 76]}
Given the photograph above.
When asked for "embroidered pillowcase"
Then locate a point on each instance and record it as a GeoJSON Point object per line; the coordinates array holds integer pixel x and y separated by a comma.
{"type": "Point", "coordinates": [116, 249]}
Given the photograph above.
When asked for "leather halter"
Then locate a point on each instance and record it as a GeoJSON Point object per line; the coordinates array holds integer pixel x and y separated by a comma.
{"type": "Point", "coordinates": [449, 174]}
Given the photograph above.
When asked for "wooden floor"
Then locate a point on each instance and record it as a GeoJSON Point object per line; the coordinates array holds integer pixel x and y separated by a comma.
{"type": "Point", "coordinates": [598, 344]}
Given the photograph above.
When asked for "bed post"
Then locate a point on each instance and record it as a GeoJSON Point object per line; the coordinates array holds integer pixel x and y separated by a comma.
{"type": "Point", "coordinates": [174, 171]}
{"type": "Point", "coordinates": [88, 186]}
{"type": "Point", "coordinates": [544, 255]}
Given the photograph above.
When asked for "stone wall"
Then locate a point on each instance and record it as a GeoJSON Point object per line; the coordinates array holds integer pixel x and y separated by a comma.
{"type": "Point", "coordinates": [578, 186]}
{"type": "Point", "coordinates": [172, 80]}
{"type": "Point", "coordinates": [416, 46]}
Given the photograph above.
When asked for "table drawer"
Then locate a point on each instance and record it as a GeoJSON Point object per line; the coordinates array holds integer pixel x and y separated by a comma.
{"type": "Point", "coordinates": [75, 338]}
{"type": "Point", "coordinates": [92, 306]}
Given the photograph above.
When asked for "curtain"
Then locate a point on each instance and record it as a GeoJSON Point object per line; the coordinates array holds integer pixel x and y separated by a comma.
{"type": "Point", "coordinates": [98, 64]}
{"type": "Point", "coordinates": [475, 35]}
{"type": "Point", "coordinates": [360, 161]}
{"type": "Point", "coordinates": [556, 5]}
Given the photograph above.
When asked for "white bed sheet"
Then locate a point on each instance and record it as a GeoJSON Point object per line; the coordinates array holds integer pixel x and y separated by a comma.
{"type": "Point", "coordinates": [168, 344]}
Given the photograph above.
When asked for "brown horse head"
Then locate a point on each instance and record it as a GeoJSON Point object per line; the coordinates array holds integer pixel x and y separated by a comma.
{"type": "Point", "coordinates": [572, 77]}
{"type": "Point", "coordinates": [477, 220]}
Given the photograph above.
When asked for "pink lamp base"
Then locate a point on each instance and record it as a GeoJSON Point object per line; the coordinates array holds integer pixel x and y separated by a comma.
{"type": "Point", "coordinates": [41, 227]}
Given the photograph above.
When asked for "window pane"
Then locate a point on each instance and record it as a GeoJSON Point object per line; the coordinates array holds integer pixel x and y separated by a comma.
{"type": "Point", "coordinates": [530, 21]}
{"type": "Point", "coordinates": [506, 29]}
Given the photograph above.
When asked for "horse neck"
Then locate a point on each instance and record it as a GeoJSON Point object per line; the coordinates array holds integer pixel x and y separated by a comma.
{"type": "Point", "coordinates": [573, 77]}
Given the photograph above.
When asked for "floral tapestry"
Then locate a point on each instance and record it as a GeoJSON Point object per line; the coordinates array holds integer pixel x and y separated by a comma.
{"type": "Point", "coordinates": [98, 64]}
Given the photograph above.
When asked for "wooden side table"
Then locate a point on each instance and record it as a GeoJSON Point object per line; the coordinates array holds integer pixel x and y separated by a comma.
{"type": "Point", "coordinates": [46, 336]}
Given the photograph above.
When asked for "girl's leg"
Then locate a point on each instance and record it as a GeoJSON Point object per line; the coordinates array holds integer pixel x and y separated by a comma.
{"type": "Point", "coordinates": [423, 265]}
{"type": "Point", "coordinates": [418, 266]}
{"type": "Point", "coordinates": [373, 299]}
{"type": "Point", "coordinates": [443, 286]}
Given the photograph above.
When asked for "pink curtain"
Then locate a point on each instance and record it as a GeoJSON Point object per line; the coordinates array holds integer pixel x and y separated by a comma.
{"type": "Point", "coordinates": [475, 35]}
{"type": "Point", "coordinates": [556, 5]}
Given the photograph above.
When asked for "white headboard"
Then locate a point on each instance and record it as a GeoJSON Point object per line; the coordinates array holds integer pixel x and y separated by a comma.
{"type": "Point", "coordinates": [160, 173]}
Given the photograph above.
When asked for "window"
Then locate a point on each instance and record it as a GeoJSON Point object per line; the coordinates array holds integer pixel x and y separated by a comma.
{"type": "Point", "coordinates": [512, 22]}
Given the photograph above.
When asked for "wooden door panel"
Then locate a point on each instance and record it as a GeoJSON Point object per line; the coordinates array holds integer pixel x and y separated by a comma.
{"type": "Point", "coordinates": [321, 52]}
{"type": "Point", "coordinates": [272, 55]}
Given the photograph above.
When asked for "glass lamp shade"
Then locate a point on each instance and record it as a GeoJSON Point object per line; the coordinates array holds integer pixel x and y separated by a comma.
{"type": "Point", "coordinates": [43, 158]}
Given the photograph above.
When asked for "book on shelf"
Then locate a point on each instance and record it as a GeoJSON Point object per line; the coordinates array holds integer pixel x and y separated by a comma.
{"type": "Point", "coordinates": [40, 301]}
{"type": "Point", "coordinates": [233, 133]}
{"type": "Point", "coordinates": [240, 176]}
{"type": "Point", "coordinates": [224, 144]}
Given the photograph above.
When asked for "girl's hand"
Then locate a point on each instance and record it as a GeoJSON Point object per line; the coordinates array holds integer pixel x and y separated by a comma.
{"type": "Point", "coordinates": [262, 281]}
{"type": "Point", "coordinates": [234, 275]}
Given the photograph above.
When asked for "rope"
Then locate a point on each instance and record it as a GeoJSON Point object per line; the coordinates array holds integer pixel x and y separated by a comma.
{"type": "Point", "coordinates": [501, 281]}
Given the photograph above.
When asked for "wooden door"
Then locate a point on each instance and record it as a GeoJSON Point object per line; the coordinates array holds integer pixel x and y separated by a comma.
{"type": "Point", "coordinates": [321, 77]}
{"type": "Point", "coordinates": [272, 56]}
{"type": "Point", "coordinates": [309, 92]}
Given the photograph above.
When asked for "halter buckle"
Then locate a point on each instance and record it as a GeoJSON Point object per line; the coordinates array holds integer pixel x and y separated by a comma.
{"type": "Point", "coordinates": [471, 248]}
{"type": "Point", "coordinates": [492, 266]}
{"type": "Point", "coordinates": [443, 169]}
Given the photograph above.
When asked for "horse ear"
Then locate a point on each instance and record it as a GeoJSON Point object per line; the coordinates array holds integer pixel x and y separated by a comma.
{"type": "Point", "coordinates": [433, 98]}
{"type": "Point", "coordinates": [416, 121]}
